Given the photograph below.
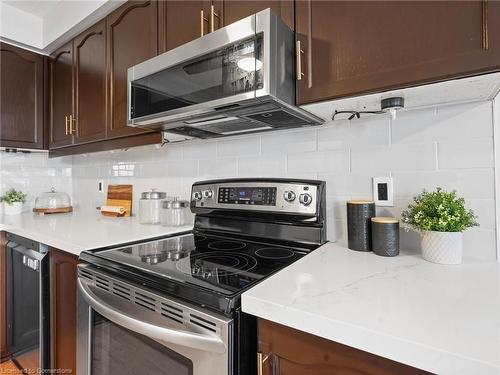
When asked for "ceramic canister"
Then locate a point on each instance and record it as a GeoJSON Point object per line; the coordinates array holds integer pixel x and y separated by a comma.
{"type": "Point", "coordinates": [385, 236]}
{"type": "Point", "coordinates": [359, 213]}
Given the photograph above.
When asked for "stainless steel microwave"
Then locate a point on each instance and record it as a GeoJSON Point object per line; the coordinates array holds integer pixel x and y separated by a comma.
{"type": "Point", "coordinates": [238, 79]}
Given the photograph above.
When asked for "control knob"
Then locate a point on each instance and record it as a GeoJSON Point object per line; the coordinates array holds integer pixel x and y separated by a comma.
{"type": "Point", "coordinates": [197, 195]}
{"type": "Point", "coordinates": [289, 196]}
{"type": "Point", "coordinates": [208, 193]}
{"type": "Point", "coordinates": [305, 199]}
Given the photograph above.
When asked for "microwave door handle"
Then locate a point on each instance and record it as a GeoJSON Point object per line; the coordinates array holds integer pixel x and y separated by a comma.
{"type": "Point", "coordinates": [163, 334]}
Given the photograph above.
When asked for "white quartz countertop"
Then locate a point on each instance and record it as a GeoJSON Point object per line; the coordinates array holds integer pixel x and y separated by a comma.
{"type": "Point", "coordinates": [83, 230]}
{"type": "Point", "coordinates": [443, 319]}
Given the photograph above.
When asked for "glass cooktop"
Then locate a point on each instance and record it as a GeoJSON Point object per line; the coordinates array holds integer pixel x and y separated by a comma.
{"type": "Point", "coordinates": [224, 265]}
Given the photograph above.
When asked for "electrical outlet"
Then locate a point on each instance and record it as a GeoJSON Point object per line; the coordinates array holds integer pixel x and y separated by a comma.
{"type": "Point", "coordinates": [100, 186]}
{"type": "Point", "coordinates": [382, 191]}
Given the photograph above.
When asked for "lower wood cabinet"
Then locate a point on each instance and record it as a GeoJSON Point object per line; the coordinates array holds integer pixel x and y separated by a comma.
{"type": "Point", "coordinates": [4, 353]}
{"type": "Point", "coordinates": [286, 351]}
{"type": "Point", "coordinates": [63, 274]}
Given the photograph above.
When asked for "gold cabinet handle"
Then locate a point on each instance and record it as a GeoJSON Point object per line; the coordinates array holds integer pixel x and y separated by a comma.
{"type": "Point", "coordinates": [212, 18]}
{"type": "Point", "coordinates": [71, 121]}
{"type": "Point", "coordinates": [203, 19]}
{"type": "Point", "coordinates": [298, 60]}
{"type": "Point", "coordinates": [66, 132]}
{"type": "Point", "coordinates": [260, 362]}
{"type": "Point", "coordinates": [486, 41]}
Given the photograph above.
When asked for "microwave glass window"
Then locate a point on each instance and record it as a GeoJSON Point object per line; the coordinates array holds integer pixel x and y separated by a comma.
{"type": "Point", "coordinates": [117, 350]}
{"type": "Point", "coordinates": [232, 70]}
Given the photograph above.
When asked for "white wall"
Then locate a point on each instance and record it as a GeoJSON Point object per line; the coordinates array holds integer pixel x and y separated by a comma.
{"type": "Point", "coordinates": [34, 173]}
{"type": "Point", "coordinates": [447, 146]}
{"type": "Point", "coordinates": [496, 129]}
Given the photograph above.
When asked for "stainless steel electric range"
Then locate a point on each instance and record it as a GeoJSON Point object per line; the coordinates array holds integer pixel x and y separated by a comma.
{"type": "Point", "coordinates": [171, 306]}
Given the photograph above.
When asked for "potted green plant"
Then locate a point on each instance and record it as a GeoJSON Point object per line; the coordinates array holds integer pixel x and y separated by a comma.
{"type": "Point", "coordinates": [13, 202]}
{"type": "Point", "coordinates": [441, 218]}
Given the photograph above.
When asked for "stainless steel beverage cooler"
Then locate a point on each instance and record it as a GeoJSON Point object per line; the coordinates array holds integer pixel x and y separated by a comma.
{"type": "Point", "coordinates": [28, 304]}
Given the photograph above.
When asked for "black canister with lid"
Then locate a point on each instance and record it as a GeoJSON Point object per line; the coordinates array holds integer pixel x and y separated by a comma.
{"type": "Point", "coordinates": [359, 213]}
{"type": "Point", "coordinates": [385, 236]}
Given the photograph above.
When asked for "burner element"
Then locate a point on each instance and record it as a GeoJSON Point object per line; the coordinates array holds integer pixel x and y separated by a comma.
{"type": "Point", "coordinates": [226, 245]}
{"type": "Point", "coordinates": [274, 253]}
{"type": "Point", "coordinates": [216, 264]}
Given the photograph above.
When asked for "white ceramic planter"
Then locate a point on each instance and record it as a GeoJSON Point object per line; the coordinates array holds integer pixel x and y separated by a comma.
{"type": "Point", "coordinates": [13, 209]}
{"type": "Point", "coordinates": [442, 247]}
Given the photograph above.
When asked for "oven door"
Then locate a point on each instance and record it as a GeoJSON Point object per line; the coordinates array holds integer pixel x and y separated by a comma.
{"type": "Point", "coordinates": [123, 329]}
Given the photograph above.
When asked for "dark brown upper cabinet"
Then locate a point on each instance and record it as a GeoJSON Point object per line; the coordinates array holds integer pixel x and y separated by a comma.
{"type": "Point", "coordinates": [355, 47]}
{"type": "Point", "coordinates": [22, 99]}
{"type": "Point", "coordinates": [235, 10]}
{"type": "Point", "coordinates": [61, 97]}
{"type": "Point", "coordinates": [184, 21]}
{"type": "Point", "coordinates": [89, 122]}
{"type": "Point", "coordinates": [131, 39]}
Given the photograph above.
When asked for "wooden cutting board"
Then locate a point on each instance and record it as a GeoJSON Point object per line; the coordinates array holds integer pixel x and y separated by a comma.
{"type": "Point", "coordinates": [120, 195]}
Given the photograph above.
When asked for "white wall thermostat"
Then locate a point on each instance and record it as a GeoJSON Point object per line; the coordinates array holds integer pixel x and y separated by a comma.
{"type": "Point", "coordinates": [382, 191]}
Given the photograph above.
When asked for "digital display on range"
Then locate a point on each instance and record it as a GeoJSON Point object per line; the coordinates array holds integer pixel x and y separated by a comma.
{"type": "Point", "coordinates": [263, 196]}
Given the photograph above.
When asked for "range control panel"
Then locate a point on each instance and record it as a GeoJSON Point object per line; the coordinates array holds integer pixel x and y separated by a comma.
{"type": "Point", "coordinates": [295, 198]}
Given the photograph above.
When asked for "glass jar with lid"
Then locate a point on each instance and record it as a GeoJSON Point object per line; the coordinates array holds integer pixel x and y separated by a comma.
{"type": "Point", "coordinates": [176, 213]}
{"type": "Point", "coordinates": [150, 205]}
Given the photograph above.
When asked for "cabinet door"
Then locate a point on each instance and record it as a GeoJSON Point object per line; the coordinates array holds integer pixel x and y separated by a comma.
{"type": "Point", "coordinates": [4, 353]}
{"type": "Point", "coordinates": [291, 352]}
{"type": "Point", "coordinates": [90, 84]}
{"type": "Point", "coordinates": [63, 274]}
{"type": "Point", "coordinates": [182, 22]}
{"type": "Point", "coordinates": [132, 38]}
{"type": "Point", "coordinates": [235, 10]}
{"type": "Point", "coordinates": [61, 96]}
{"type": "Point", "coordinates": [353, 47]}
{"type": "Point", "coordinates": [21, 79]}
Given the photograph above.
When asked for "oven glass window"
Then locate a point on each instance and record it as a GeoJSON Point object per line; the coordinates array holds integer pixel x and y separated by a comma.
{"type": "Point", "coordinates": [117, 350]}
{"type": "Point", "coordinates": [231, 70]}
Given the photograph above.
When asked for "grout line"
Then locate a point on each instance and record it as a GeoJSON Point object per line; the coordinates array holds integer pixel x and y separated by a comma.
{"type": "Point", "coordinates": [437, 155]}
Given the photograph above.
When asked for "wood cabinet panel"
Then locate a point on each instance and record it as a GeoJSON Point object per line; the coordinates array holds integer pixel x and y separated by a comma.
{"type": "Point", "coordinates": [90, 84]}
{"type": "Point", "coordinates": [292, 352]}
{"type": "Point", "coordinates": [22, 103]}
{"type": "Point", "coordinates": [131, 39]}
{"type": "Point", "coordinates": [61, 96]}
{"type": "Point", "coordinates": [353, 47]}
{"type": "Point", "coordinates": [4, 353]}
{"type": "Point", "coordinates": [63, 275]}
{"type": "Point", "coordinates": [235, 10]}
{"type": "Point", "coordinates": [181, 22]}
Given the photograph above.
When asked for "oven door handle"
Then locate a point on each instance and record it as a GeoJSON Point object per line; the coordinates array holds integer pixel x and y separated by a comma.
{"type": "Point", "coordinates": [165, 335]}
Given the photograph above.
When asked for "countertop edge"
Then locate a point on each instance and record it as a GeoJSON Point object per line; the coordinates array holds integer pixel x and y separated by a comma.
{"type": "Point", "coordinates": [409, 353]}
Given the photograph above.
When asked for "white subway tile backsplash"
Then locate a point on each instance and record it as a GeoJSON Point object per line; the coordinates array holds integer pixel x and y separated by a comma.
{"type": "Point", "coordinates": [263, 166]}
{"type": "Point", "coordinates": [319, 161]}
{"type": "Point", "coordinates": [199, 150]}
{"type": "Point", "coordinates": [446, 146]}
{"type": "Point", "coordinates": [476, 183]}
{"type": "Point", "coordinates": [471, 153]}
{"type": "Point", "coordinates": [239, 146]}
{"type": "Point", "coordinates": [407, 183]}
{"type": "Point", "coordinates": [446, 123]}
{"type": "Point", "coordinates": [215, 168]}
{"type": "Point", "coordinates": [182, 168]}
{"type": "Point", "coordinates": [280, 143]}
{"type": "Point", "coordinates": [394, 158]}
